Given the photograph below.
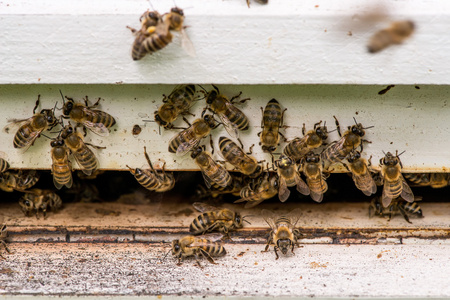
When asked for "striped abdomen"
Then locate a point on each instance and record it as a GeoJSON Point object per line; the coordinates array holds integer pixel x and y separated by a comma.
{"type": "Point", "coordinates": [98, 116]}
{"type": "Point", "coordinates": [184, 136]}
{"type": "Point", "coordinates": [201, 223]}
{"type": "Point", "coordinates": [155, 42]}
{"type": "Point", "coordinates": [236, 116]}
{"type": "Point", "coordinates": [181, 98]}
{"type": "Point", "coordinates": [86, 159]}
{"type": "Point", "coordinates": [412, 207]}
{"type": "Point", "coordinates": [4, 165]}
{"type": "Point", "coordinates": [148, 179]}
{"type": "Point", "coordinates": [231, 151]}
{"type": "Point", "coordinates": [62, 174]}
{"type": "Point", "coordinates": [214, 249]}
{"type": "Point", "coordinates": [296, 149]}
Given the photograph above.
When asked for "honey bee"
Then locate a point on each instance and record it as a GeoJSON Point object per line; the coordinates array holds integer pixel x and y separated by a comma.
{"type": "Point", "coordinates": [4, 165]}
{"type": "Point", "coordinates": [360, 173]}
{"type": "Point", "coordinates": [211, 170]}
{"type": "Point", "coordinates": [289, 176]}
{"type": "Point", "coordinates": [313, 139]}
{"type": "Point", "coordinates": [61, 168]}
{"type": "Point", "coordinates": [338, 150]}
{"type": "Point", "coordinates": [3, 237]}
{"type": "Point", "coordinates": [259, 1]}
{"type": "Point", "coordinates": [151, 179]}
{"type": "Point", "coordinates": [190, 137]}
{"type": "Point", "coordinates": [395, 34]}
{"type": "Point", "coordinates": [394, 184]}
{"type": "Point", "coordinates": [271, 122]}
{"type": "Point", "coordinates": [238, 182]}
{"type": "Point", "coordinates": [39, 200]}
{"type": "Point", "coordinates": [262, 188]}
{"type": "Point", "coordinates": [148, 20]}
{"type": "Point", "coordinates": [178, 102]}
{"type": "Point", "coordinates": [18, 180]}
{"type": "Point", "coordinates": [197, 246]}
{"type": "Point", "coordinates": [244, 163]}
{"type": "Point", "coordinates": [232, 117]}
{"type": "Point", "coordinates": [95, 120]}
{"type": "Point", "coordinates": [84, 156]}
{"type": "Point", "coordinates": [312, 168]}
{"type": "Point", "coordinates": [215, 219]}
{"type": "Point", "coordinates": [30, 129]}
{"type": "Point", "coordinates": [435, 180]}
{"type": "Point", "coordinates": [397, 205]}
{"type": "Point", "coordinates": [283, 234]}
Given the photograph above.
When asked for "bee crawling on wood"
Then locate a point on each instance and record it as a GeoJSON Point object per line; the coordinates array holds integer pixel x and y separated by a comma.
{"type": "Point", "coordinates": [212, 171]}
{"type": "Point", "coordinates": [289, 176]}
{"type": "Point", "coordinates": [259, 189]}
{"type": "Point", "coordinates": [3, 238]}
{"type": "Point", "coordinates": [434, 180]}
{"type": "Point", "coordinates": [361, 173]}
{"type": "Point", "coordinates": [39, 200]}
{"type": "Point", "coordinates": [397, 205]}
{"type": "Point", "coordinates": [271, 123]}
{"type": "Point", "coordinates": [197, 246]}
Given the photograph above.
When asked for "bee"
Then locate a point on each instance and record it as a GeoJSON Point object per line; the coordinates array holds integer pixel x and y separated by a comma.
{"type": "Point", "coordinates": [95, 120]}
{"type": "Point", "coordinates": [215, 219]}
{"type": "Point", "coordinates": [197, 246]}
{"type": "Point", "coordinates": [148, 20]}
{"type": "Point", "coordinates": [289, 176]}
{"type": "Point", "coordinates": [435, 180]}
{"type": "Point", "coordinates": [394, 184]}
{"type": "Point", "coordinates": [271, 122]}
{"type": "Point", "coordinates": [178, 102]}
{"type": "Point", "coordinates": [397, 205]}
{"type": "Point", "coordinates": [30, 129]}
{"type": "Point", "coordinates": [190, 137]}
{"type": "Point", "coordinates": [395, 34]}
{"type": "Point", "coordinates": [338, 150]}
{"type": "Point", "coordinates": [232, 117]}
{"type": "Point", "coordinates": [4, 165]}
{"type": "Point", "coordinates": [259, 1]}
{"type": "Point", "coordinates": [151, 179]}
{"type": "Point", "coordinates": [283, 234]}
{"type": "Point", "coordinates": [244, 163]}
{"type": "Point", "coordinates": [313, 139]}
{"type": "Point", "coordinates": [3, 237]}
{"type": "Point", "coordinates": [84, 156]}
{"type": "Point", "coordinates": [18, 180]}
{"type": "Point", "coordinates": [61, 168]}
{"type": "Point", "coordinates": [361, 173]}
{"type": "Point", "coordinates": [238, 182]}
{"type": "Point", "coordinates": [262, 188]}
{"type": "Point", "coordinates": [211, 170]}
{"type": "Point", "coordinates": [39, 200]}
{"type": "Point", "coordinates": [312, 168]}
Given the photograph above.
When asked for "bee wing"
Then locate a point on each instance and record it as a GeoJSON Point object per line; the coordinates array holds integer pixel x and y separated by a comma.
{"type": "Point", "coordinates": [203, 207]}
{"type": "Point", "coordinates": [208, 181]}
{"type": "Point", "coordinates": [13, 124]}
{"type": "Point", "coordinates": [186, 147]}
{"type": "Point", "coordinates": [79, 159]}
{"type": "Point", "coordinates": [269, 217]}
{"type": "Point", "coordinates": [210, 237]}
{"type": "Point", "coordinates": [385, 198]}
{"type": "Point", "coordinates": [230, 127]}
{"type": "Point", "coordinates": [294, 216]}
{"type": "Point", "coordinates": [318, 197]}
{"type": "Point", "coordinates": [407, 194]}
{"type": "Point", "coordinates": [186, 44]}
{"type": "Point", "coordinates": [97, 128]}
{"type": "Point", "coordinates": [283, 191]}
{"type": "Point", "coordinates": [302, 187]}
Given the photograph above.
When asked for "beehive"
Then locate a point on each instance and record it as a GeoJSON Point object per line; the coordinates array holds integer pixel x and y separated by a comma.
{"type": "Point", "coordinates": [311, 57]}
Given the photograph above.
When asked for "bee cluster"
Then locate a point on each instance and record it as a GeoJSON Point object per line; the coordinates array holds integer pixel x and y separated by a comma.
{"type": "Point", "coordinates": [67, 142]}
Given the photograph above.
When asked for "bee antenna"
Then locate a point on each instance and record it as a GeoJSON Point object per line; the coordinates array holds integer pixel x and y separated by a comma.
{"type": "Point", "coordinates": [401, 153]}
{"type": "Point", "coordinates": [384, 152]}
{"type": "Point", "coordinates": [355, 120]}
{"type": "Point", "coordinates": [324, 123]}
{"type": "Point", "coordinates": [368, 127]}
{"type": "Point", "coordinates": [52, 139]}
{"type": "Point", "coordinates": [131, 169]}
{"type": "Point", "coordinates": [332, 130]}
{"type": "Point", "coordinates": [151, 5]}
{"type": "Point", "coordinates": [243, 219]}
{"type": "Point", "coordinates": [149, 120]}
{"type": "Point", "coordinates": [201, 87]}
{"type": "Point", "coordinates": [148, 159]}
{"type": "Point", "coordinates": [167, 253]}
{"type": "Point", "coordinates": [64, 102]}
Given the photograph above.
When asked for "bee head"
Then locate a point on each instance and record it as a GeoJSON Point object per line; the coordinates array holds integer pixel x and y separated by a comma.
{"type": "Point", "coordinates": [238, 220]}
{"type": "Point", "coordinates": [353, 156]}
{"type": "Point", "coordinates": [211, 97]}
{"type": "Point", "coordinates": [158, 119]}
{"type": "Point", "coordinates": [389, 159]}
{"type": "Point", "coordinates": [311, 157]}
{"type": "Point", "coordinates": [177, 10]}
{"type": "Point", "coordinates": [59, 142]}
{"type": "Point", "coordinates": [209, 119]}
{"type": "Point", "coordinates": [322, 132]}
{"type": "Point", "coordinates": [68, 106]}
{"type": "Point", "coordinates": [358, 130]}
{"type": "Point", "coordinates": [284, 245]}
{"type": "Point", "coordinates": [176, 247]}
{"type": "Point", "coordinates": [268, 149]}
{"type": "Point", "coordinates": [26, 205]}
{"type": "Point", "coordinates": [196, 152]}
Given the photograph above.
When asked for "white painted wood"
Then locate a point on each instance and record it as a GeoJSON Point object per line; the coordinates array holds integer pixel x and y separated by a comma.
{"type": "Point", "coordinates": [284, 42]}
{"type": "Point", "coordinates": [404, 119]}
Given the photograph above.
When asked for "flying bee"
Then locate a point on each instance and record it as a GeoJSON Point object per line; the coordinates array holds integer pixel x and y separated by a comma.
{"type": "Point", "coordinates": [289, 176]}
{"type": "Point", "coordinates": [151, 179]}
{"type": "Point", "coordinates": [30, 129]}
{"type": "Point", "coordinates": [244, 163]}
{"type": "Point", "coordinates": [84, 156]}
{"type": "Point", "coordinates": [283, 234]}
{"type": "Point", "coordinates": [397, 205]}
{"type": "Point", "coordinates": [338, 150]}
{"type": "Point", "coordinates": [313, 139]}
{"type": "Point", "coordinates": [61, 168]}
{"type": "Point", "coordinates": [271, 122]}
{"type": "Point", "coordinates": [95, 120]}
{"type": "Point", "coordinates": [312, 168]}
{"type": "Point", "coordinates": [190, 137]}
{"type": "Point", "coordinates": [395, 34]}
{"type": "Point", "coordinates": [178, 102]}
{"type": "Point", "coordinates": [435, 180]}
{"type": "Point", "coordinates": [3, 238]}
{"type": "Point", "coordinates": [18, 180]}
{"type": "Point", "coordinates": [394, 184]}
{"type": "Point", "coordinates": [215, 219]}
{"type": "Point", "coordinates": [361, 173]}
{"type": "Point", "coordinates": [232, 117]}
{"type": "Point", "coordinates": [148, 20]}
{"type": "Point", "coordinates": [211, 170]}
{"type": "Point", "coordinates": [4, 165]}
{"type": "Point", "coordinates": [39, 200]}
{"type": "Point", "coordinates": [262, 188]}
{"type": "Point", "coordinates": [197, 246]}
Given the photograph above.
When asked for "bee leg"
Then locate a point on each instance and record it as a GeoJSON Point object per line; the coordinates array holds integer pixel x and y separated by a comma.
{"type": "Point", "coordinates": [6, 247]}
{"type": "Point", "coordinates": [207, 256]}
{"type": "Point", "coordinates": [96, 103]}
{"type": "Point", "coordinates": [276, 252]}
{"type": "Point", "coordinates": [164, 100]}
{"type": "Point", "coordinates": [345, 165]}
{"type": "Point", "coordinates": [285, 139]}
{"type": "Point", "coordinates": [211, 144]}
{"type": "Point", "coordinates": [84, 131]}
{"type": "Point", "coordinates": [95, 146]}
{"type": "Point", "coordinates": [235, 97]}
{"type": "Point", "coordinates": [179, 263]}
{"type": "Point", "coordinates": [240, 142]}
{"type": "Point", "coordinates": [369, 161]}
{"type": "Point", "coordinates": [187, 122]}
{"type": "Point", "coordinates": [37, 104]}
{"type": "Point", "coordinates": [402, 211]}
{"type": "Point", "coordinates": [259, 134]}
{"type": "Point", "coordinates": [266, 249]}
{"type": "Point", "coordinates": [304, 129]}
{"type": "Point", "coordinates": [248, 3]}
{"type": "Point", "coordinates": [250, 150]}
{"type": "Point", "coordinates": [292, 249]}
{"type": "Point", "coordinates": [132, 29]}
{"type": "Point", "coordinates": [282, 119]}
{"type": "Point", "coordinates": [262, 119]}
{"type": "Point", "coordinates": [338, 127]}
